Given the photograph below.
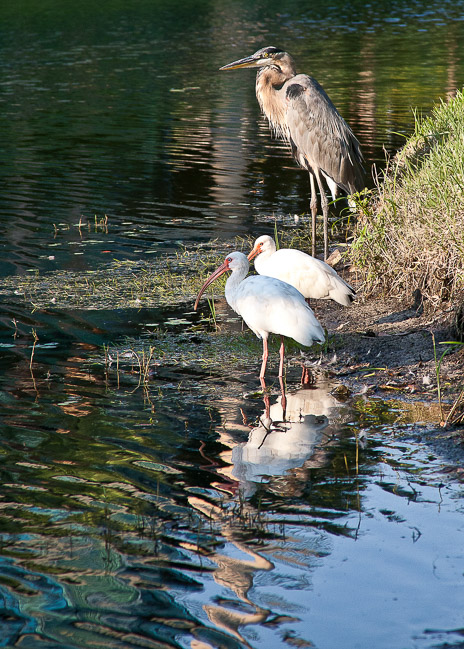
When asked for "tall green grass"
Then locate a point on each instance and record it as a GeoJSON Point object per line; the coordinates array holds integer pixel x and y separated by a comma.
{"type": "Point", "coordinates": [410, 234]}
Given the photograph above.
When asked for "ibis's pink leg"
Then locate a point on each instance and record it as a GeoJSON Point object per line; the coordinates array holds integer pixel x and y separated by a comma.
{"type": "Point", "coordinates": [282, 351]}
{"type": "Point", "coordinates": [265, 355]}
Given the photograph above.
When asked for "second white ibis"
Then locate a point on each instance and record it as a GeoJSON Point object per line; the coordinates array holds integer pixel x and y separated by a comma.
{"type": "Point", "coordinates": [311, 276]}
{"type": "Point", "coordinates": [267, 305]}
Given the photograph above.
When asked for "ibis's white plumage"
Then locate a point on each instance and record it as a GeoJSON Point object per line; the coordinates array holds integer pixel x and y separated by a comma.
{"type": "Point", "coordinates": [312, 277]}
{"type": "Point", "coordinates": [267, 305]}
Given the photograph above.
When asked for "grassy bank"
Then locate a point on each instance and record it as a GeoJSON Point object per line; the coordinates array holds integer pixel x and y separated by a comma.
{"type": "Point", "coordinates": [411, 232]}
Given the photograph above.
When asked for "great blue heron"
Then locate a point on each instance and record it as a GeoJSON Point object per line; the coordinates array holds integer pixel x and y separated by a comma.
{"type": "Point", "coordinates": [300, 111]}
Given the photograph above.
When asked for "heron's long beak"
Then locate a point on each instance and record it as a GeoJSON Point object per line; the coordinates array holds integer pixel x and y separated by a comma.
{"type": "Point", "coordinates": [217, 273]}
{"type": "Point", "coordinates": [247, 62]}
{"type": "Point", "coordinates": [253, 253]}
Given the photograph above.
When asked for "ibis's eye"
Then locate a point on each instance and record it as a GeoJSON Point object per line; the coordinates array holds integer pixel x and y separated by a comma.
{"type": "Point", "coordinates": [229, 259]}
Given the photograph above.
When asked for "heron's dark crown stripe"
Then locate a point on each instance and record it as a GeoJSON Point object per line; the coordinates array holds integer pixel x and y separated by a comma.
{"type": "Point", "coordinates": [270, 50]}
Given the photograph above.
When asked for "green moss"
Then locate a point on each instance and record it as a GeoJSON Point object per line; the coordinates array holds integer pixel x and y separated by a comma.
{"type": "Point", "coordinates": [121, 284]}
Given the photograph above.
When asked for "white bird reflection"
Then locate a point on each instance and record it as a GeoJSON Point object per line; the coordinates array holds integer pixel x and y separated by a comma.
{"type": "Point", "coordinates": [293, 432]}
{"type": "Point", "coordinates": [288, 434]}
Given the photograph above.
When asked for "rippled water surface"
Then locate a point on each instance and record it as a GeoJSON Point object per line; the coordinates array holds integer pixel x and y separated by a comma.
{"type": "Point", "coordinates": [187, 510]}
{"type": "Point", "coordinates": [175, 515]}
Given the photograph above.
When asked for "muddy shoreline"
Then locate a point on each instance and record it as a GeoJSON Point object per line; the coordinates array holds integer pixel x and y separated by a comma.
{"type": "Point", "coordinates": [385, 347]}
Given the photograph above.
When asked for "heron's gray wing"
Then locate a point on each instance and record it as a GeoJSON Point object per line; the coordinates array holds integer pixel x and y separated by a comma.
{"type": "Point", "coordinates": [319, 136]}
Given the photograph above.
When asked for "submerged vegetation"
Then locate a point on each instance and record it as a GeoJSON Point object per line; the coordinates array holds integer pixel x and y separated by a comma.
{"type": "Point", "coordinates": [164, 281]}
{"type": "Point", "coordinates": [196, 350]}
{"type": "Point", "coordinates": [120, 284]}
{"type": "Point", "coordinates": [411, 232]}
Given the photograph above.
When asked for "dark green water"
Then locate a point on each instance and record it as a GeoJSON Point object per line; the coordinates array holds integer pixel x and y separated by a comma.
{"type": "Point", "coordinates": [116, 110]}
{"type": "Point", "coordinates": [155, 517]}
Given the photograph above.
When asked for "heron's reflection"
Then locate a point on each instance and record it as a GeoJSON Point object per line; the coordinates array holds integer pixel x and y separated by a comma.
{"type": "Point", "coordinates": [288, 433]}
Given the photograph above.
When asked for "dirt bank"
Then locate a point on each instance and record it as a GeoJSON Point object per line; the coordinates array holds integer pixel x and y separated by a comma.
{"type": "Point", "coordinates": [386, 346]}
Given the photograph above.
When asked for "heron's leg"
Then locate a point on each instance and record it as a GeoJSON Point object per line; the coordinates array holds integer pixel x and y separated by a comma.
{"type": "Point", "coordinates": [265, 355]}
{"type": "Point", "coordinates": [282, 352]}
{"type": "Point", "coordinates": [313, 206]}
{"type": "Point", "coordinates": [325, 212]}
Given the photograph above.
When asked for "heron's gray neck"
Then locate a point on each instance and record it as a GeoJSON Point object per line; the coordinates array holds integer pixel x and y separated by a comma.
{"type": "Point", "coordinates": [271, 98]}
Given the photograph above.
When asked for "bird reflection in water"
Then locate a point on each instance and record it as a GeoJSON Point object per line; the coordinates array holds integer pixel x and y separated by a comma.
{"type": "Point", "coordinates": [288, 434]}
{"type": "Point", "coordinates": [292, 435]}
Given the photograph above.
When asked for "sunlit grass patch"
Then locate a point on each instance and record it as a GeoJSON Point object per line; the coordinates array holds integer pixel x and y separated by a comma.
{"type": "Point", "coordinates": [162, 281]}
{"type": "Point", "coordinates": [195, 350]}
{"type": "Point", "coordinates": [411, 232]}
{"type": "Point", "coordinates": [122, 284]}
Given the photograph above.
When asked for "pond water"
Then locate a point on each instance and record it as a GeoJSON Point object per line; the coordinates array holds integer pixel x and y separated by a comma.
{"type": "Point", "coordinates": [187, 511]}
{"type": "Point", "coordinates": [179, 516]}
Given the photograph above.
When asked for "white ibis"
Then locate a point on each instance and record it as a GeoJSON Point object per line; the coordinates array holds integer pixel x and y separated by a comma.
{"type": "Point", "coordinates": [312, 277]}
{"type": "Point", "coordinates": [267, 305]}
